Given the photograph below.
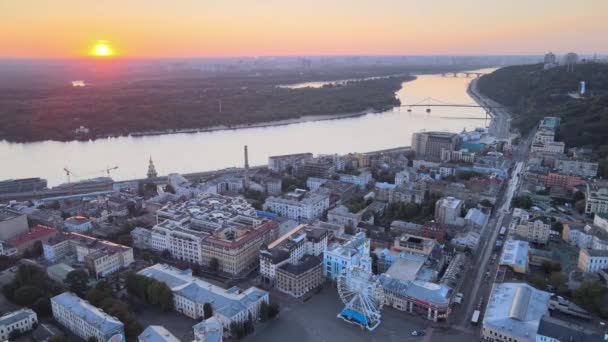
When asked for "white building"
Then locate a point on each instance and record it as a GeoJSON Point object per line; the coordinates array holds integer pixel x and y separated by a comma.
{"type": "Point", "coordinates": [597, 199]}
{"type": "Point", "coordinates": [513, 313]}
{"type": "Point", "coordinates": [156, 333]}
{"type": "Point", "coordinates": [299, 205]}
{"type": "Point", "coordinates": [288, 161]}
{"type": "Point", "coordinates": [535, 230]}
{"type": "Point", "coordinates": [574, 167]}
{"type": "Point", "coordinates": [313, 183]}
{"type": "Point", "coordinates": [592, 260]}
{"type": "Point", "coordinates": [405, 176]}
{"type": "Point", "coordinates": [361, 180]}
{"type": "Point", "coordinates": [84, 319]}
{"type": "Point", "coordinates": [101, 257]}
{"type": "Point", "coordinates": [78, 224]}
{"type": "Point", "coordinates": [544, 135]}
{"type": "Point", "coordinates": [343, 216]}
{"type": "Point", "coordinates": [22, 320]}
{"type": "Point", "coordinates": [142, 237]}
{"type": "Point", "coordinates": [209, 330]}
{"type": "Point", "coordinates": [448, 211]}
{"type": "Point", "coordinates": [191, 293]}
{"type": "Point", "coordinates": [585, 236]}
{"type": "Point", "coordinates": [515, 255]}
{"type": "Point", "coordinates": [548, 147]}
{"type": "Point", "coordinates": [353, 252]}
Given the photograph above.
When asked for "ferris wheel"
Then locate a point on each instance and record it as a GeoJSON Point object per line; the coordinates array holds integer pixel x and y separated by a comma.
{"type": "Point", "coordinates": [363, 296]}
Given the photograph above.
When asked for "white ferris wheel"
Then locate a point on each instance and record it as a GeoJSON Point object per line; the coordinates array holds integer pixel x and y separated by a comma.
{"type": "Point", "coordinates": [363, 296]}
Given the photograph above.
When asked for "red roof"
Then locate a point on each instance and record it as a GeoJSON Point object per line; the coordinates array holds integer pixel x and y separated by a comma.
{"type": "Point", "coordinates": [36, 233]}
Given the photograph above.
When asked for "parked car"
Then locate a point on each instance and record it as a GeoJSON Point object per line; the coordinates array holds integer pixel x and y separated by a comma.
{"type": "Point", "coordinates": [418, 333]}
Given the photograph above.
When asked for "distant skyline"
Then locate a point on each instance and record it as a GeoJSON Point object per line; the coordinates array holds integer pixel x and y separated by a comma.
{"type": "Point", "coordinates": [197, 28]}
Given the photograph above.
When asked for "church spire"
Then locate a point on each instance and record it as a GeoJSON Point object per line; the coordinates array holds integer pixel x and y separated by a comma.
{"type": "Point", "coordinates": [151, 169]}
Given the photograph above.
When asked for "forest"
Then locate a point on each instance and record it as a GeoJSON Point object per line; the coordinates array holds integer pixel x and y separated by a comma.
{"type": "Point", "coordinates": [532, 93]}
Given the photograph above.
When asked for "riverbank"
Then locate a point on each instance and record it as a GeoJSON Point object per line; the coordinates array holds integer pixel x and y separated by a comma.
{"type": "Point", "coordinates": [302, 119]}
{"type": "Point", "coordinates": [500, 124]}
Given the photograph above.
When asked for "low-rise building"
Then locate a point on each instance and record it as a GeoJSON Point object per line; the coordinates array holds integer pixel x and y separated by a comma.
{"type": "Point", "coordinates": [384, 191]}
{"type": "Point", "coordinates": [59, 272]}
{"type": "Point", "coordinates": [209, 330]}
{"type": "Point", "coordinates": [548, 147]}
{"type": "Point", "coordinates": [313, 183]}
{"type": "Point", "coordinates": [100, 257]}
{"type": "Point", "coordinates": [343, 216]}
{"type": "Point", "coordinates": [514, 312]}
{"type": "Point", "coordinates": [142, 237]}
{"type": "Point", "coordinates": [361, 180]}
{"type": "Point", "coordinates": [515, 255]}
{"type": "Point", "coordinates": [596, 199]}
{"type": "Point", "coordinates": [27, 240]}
{"type": "Point", "coordinates": [84, 319]}
{"type": "Point", "coordinates": [191, 293]}
{"type": "Point", "coordinates": [590, 260]}
{"type": "Point", "coordinates": [585, 236]}
{"type": "Point", "coordinates": [582, 168]}
{"type": "Point", "coordinates": [429, 300]}
{"type": "Point", "coordinates": [299, 205]}
{"type": "Point", "coordinates": [554, 330]}
{"type": "Point", "coordinates": [12, 224]}
{"type": "Point", "coordinates": [352, 252]}
{"type": "Point", "coordinates": [78, 224]}
{"type": "Point", "coordinates": [156, 333]}
{"type": "Point", "coordinates": [535, 230]}
{"type": "Point", "coordinates": [22, 320]}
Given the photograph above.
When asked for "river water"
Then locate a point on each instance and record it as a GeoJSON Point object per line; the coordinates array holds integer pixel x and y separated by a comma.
{"type": "Point", "coordinates": [205, 151]}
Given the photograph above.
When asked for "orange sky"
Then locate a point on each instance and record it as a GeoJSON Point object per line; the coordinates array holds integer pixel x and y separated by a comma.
{"type": "Point", "coordinates": [192, 28]}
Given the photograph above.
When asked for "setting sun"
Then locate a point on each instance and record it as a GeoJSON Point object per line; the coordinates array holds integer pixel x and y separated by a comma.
{"type": "Point", "coordinates": [102, 49]}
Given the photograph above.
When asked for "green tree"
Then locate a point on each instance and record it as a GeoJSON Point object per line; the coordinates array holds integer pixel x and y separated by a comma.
{"type": "Point", "coordinates": [524, 202]}
{"type": "Point", "coordinates": [273, 310]}
{"type": "Point", "coordinates": [590, 295]}
{"type": "Point", "coordinates": [264, 311]}
{"type": "Point", "coordinates": [77, 281]}
{"type": "Point", "coordinates": [214, 265]}
{"type": "Point", "coordinates": [374, 257]}
{"type": "Point", "coordinates": [165, 298]}
{"type": "Point", "coordinates": [92, 339]}
{"type": "Point", "coordinates": [58, 338]}
{"type": "Point", "coordinates": [557, 226]}
{"type": "Point", "coordinates": [27, 295]}
{"type": "Point", "coordinates": [207, 310]}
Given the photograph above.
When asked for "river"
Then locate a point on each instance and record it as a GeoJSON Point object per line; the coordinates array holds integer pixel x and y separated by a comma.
{"type": "Point", "coordinates": [191, 152]}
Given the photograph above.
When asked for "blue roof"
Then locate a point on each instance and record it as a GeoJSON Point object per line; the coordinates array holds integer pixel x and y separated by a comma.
{"type": "Point", "coordinates": [354, 315]}
{"type": "Point", "coordinates": [16, 316]}
{"type": "Point", "coordinates": [225, 302]}
{"type": "Point", "coordinates": [157, 333]}
{"type": "Point", "coordinates": [81, 308]}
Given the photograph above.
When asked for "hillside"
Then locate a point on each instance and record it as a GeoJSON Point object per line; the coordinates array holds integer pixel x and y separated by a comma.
{"type": "Point", "coordinates": [532, 93]}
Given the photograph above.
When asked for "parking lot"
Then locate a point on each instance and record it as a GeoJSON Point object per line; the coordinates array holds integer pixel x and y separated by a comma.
{"type": "Point", "coordinates": [316, 321]}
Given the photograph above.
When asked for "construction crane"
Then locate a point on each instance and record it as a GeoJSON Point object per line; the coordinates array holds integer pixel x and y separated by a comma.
{"type": "Point", "coordinates": [108, 169]}
{"type": "Point", "coordinates": [68, 173]}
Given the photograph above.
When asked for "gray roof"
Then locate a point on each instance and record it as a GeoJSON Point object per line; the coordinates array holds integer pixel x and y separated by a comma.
{"type": "Point", "coordinates": [16, 316]}
{"type": "Point", "coordinates": [105, 323]}
{"type": "Point", "coordinates": [182, 283]}
{"type": "Point", "coordinates": [515, 252]}
{"type": "Point", "coordinates": [516, 309]}
{"type": "Point", "coordinates": [157, 333]}
{"type": "Point", "coordinates": [425, 291]}
{"type": "Point", "coordinates": [564, 331]}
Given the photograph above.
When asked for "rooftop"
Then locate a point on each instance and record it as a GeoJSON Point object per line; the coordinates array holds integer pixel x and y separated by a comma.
{"type": "Point", "coordinates": [157, 333]}
{"type": "Point", "coordinates": [38, 232]}
{"type": "Point", "coordinates": [307, 263]}
{"type": "Point", "coordinates": [8, 214]}
{"type": "Point", "coordinates": [89, 313]}
{"type": "Point", "coordinates": [438, 295]}
{"type": "Point", "coordinates": [516, 308]}
{"type": "Point", "coordinates": [225, 302]}
{"type": "Point", "coordinates": [16, 316]}
{"type": "Point", "coordinates": [565, 331]}
{"type": "Point", "coordinates": [515, 252]}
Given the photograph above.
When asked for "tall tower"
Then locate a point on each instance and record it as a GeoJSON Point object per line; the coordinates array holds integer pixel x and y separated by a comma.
{"type": "Point", "coordinates": [246, 178]}
{"type": "Point", "coordinates": [151, 169]}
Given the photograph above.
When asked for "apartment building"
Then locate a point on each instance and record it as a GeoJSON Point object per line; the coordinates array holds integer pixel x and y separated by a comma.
{"type": "Point", "coordinates": [430, 144]}
{"type": "Point", "coordinates": [212, 226]}
{"type": "Point", "coordinates": [597, 199]}
{"type": "Point", "coordinates": [535, 230]}
{"type": "Point", "coordinates": [86, 320]}
{"type": "Point", "coordinates": [299, 205]}
{"type": "Point", "coordinates": [299, 279]}
{"type": "Point", "coordinates": [289, 161]}
{"type": "Point", "coordinates": [361, 180]}
{"type": "Point", "coordinates": [575, 167]}
{"type": "Point", "coordinates": [590, 260]}
{"type": "Point", "coordinates": [100, 257]}
{"type": "Point", "coordinates": [448, 211]}
{"type": "Point", "coordinates": [291, 248]}
{"type": "Point", "coordinates": [548, 147]}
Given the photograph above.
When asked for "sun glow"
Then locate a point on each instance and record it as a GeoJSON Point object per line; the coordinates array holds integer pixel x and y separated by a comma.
{"type": "Point", "coordinates": [102, 49]}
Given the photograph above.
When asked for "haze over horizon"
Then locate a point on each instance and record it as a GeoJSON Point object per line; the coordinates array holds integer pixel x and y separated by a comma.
{"type": "Point", "coordinates": [159, 29]}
